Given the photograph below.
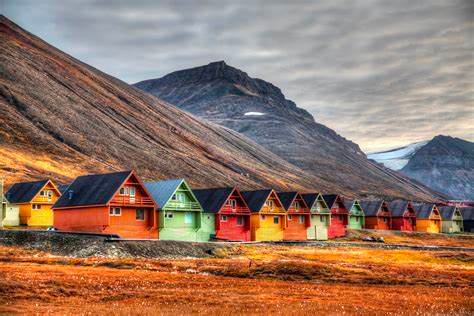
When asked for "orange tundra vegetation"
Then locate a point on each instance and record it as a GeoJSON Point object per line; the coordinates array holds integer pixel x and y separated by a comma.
{"type": "Point", "coordinates": [259, 279]}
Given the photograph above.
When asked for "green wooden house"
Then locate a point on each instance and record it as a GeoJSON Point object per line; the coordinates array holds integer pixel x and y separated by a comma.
{"type": "Point", "coordinates": [320, 218]}
{"type": "Point", "coordinates": [356, 214]}
{"type": "Point", "coordinates": [180, 216]}
{"type": "Point", "coordinates": [452, 221]}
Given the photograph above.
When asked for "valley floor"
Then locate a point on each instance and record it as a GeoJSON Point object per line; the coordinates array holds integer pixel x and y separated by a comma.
{"type": "Point", "coordinates": [257, 279]}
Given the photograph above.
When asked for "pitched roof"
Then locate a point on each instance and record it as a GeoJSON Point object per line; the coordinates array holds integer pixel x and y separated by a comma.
{"type": "Point", "coordinates": [286, 198]}
{"type": "Point", "coordinates": [256, 199]}
{"type": "Point", "coordinates": [423, 210]}
{"type": "Point", "coordinates": [63, 187]}
{"type": "Point", "coordinates": [330, 199]}
{"type": "Point", "coordinates": [24, 192]}
{"type": "Point", "coordinates": [398, 207]}
{"type": "Point", "coordinates": [348, 204]}
{"type": "Point", "coordinates": [310, 198]}
{"type": "Point", "coordinates": [371, 207]}
{"type": "Point", "coordinates": [447, 212]}
{"type": "Point", "coordinates": [212, 200]}
{"type": "Point", "coordinates": [467, 213]}
{"type": "Point", "coordinates": [162, 191]}
{"type": "Point", "coordinates": [93, 189]}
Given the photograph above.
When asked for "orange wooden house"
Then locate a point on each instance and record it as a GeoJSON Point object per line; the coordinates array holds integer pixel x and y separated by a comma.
{"type": "Point", "coordinates": [113, 203]}
{"type": "Point", "coordinates": [377, 214]}
{"type": "Point", "coordinates": [297, 216]}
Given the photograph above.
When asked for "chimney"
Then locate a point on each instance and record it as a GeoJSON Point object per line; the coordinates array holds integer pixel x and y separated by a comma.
{"type": "Point", "coordinates": [70, 194]}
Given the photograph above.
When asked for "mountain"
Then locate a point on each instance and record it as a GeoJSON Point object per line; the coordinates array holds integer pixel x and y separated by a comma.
{"type": "Point", "coordinates": [61, 118]}
{"type": "Point", "coordinates": [229, 97]}
{"type": "Point", "coordinates": [396, 159]}
{"type": "Point", "coordinates": [445, 164]}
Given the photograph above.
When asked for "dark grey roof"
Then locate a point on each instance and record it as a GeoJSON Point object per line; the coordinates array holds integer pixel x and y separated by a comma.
{"type": "Point", "coordinates": [24, 192]}
{"type": "Point", "coordinates": [423, 210]}
{"type": "Point", "coordinates": [94, 189]}
{"type": "Point", "coordinates": [330, 199]}
{"type": "Point", "coordinates": [371, 207]}
{"type": "Point", "coordinates": [348, 204]}
{"type": "Point", "coordinates": [286, 198]}
{"type": "Point", "coordinates": [447, 212]}
{"type": "Point", "coordinates": [256, 199]}
{"type": "Point", "coordinates": [162, 191]}
{"type": "Point", "coordinates": [398, 207]}
{"type": "Point", "coordinates": [467, 213]}
{"type": "Point", "coordinates": [310, 198]}
{"type": "Point", "coordinates": [212, 200]}
{"type": "Point", "coordinates": [62, 187]}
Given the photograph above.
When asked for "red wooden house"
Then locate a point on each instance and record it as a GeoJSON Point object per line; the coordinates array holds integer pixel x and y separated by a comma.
{"type": "Point", "coordinates": [113, 203]}
{"type": "Point", "coordinates": [339, 215]}
{"type": "Point", "coordinates": [297, 216]}
{"type": "Point", "coordinates": [377, 214]}
{"type": "Point", "coordinates": [232, 213]}
{"type": "Point", "coordinates": [403, 215]}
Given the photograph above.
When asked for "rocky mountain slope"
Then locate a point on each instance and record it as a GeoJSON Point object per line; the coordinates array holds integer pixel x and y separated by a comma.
{"type": "Point", "coordinates": [229, 97]}
{"type": "Point", "coordinates": [445, 164]}
{"type": "Point", "coordinates": [61, 118]}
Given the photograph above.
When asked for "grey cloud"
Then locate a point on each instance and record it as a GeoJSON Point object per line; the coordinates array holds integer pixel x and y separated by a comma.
{"type": "Point", "coordinates": [382, 73]}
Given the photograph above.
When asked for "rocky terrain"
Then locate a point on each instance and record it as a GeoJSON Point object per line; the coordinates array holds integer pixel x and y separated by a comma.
{"type": "Point", "coordinates": [445, 164]}
{"type": "Point", "coordinates": [61, 118]}
{"type": "Point", "coordinates": [229, 97]}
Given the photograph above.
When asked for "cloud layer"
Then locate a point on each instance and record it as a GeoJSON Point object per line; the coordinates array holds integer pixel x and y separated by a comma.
{"type": "Point", "coordinates": [381, 73]}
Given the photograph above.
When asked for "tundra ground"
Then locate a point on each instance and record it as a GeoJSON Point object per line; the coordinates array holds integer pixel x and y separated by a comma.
{"type": "Point", "coordinates": [257, 279]}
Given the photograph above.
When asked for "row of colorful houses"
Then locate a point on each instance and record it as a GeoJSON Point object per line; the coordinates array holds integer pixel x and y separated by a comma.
{"type": "Point", "coordinates": [120, 203]}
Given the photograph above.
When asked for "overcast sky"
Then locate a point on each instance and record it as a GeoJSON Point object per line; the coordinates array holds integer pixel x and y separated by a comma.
{"type": "Point", "coordinates": [381, 73]}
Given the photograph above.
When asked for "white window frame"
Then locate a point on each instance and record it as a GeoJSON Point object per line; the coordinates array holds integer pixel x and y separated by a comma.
{"type": "Point", "coordinates": [297, 205]}
{"type": "Point", "coordinates": [270, 203]}
{"type": "Point", "coordinates": [301, 219]}
{"type": "Point", "coordinates": [233, 204]}
{"type": "Point", "coordinates": [322, 218]}
{"type": "Point", "coordinates": [223, 218]}
{"type": "Point", "coordinates": [263, 217]}
{"type": "Point", "coordinates": [169, 215]}
{"type": "Point", "coordinates": [240, 218]}
{"type": "Point", "coordinates": [36, 207]}
{"type": "Point", "coordinates": [136, 214]}
{"type": "Point", "coordinates": [290, 217]}
{"type": "Point", "coordinates": [113, 211]}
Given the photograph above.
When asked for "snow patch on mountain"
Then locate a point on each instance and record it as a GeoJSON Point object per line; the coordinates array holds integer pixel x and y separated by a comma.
{"type": "Point", "coordinates": [254, 114]}
{"type": "Point", "coordinates": [397, 158]}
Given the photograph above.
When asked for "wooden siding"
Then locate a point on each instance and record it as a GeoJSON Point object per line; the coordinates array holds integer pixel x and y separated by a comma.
{"type": "Point", "coordinates": [318, 229]}
{"type": "Point", "coordinates": [356, 221]}
{"type": "Point", "coordinates": [86, 219]}
{"type": "Point", "coordinates": [230, 230]}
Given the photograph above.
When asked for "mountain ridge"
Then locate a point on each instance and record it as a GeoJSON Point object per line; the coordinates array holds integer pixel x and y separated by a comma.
{"type": "Point", "coordinates": [227, 96]}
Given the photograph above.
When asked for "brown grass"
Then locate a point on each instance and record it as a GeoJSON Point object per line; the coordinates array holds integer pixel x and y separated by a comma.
{"type": "Point", "coordinates": [253, 279]}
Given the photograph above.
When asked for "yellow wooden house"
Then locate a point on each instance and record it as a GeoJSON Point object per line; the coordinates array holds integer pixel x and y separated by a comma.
{"type": "Point", "coordinates": [268, 219]}
{"type": "Point", "coordinates": [428, 218]}
{"type": "Point", "coordinates": [34, 200]}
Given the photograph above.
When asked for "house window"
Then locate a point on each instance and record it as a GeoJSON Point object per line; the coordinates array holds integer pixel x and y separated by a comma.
{"type": "Point", "coordinates": [115, 211]}
{"type": "Point", "coordinates": [36, 207]}
{"type": "Point", "coordinates": [140, 214]}
{"type": "Point", "coordinates": [321, 218]}
{"type": "Point", "coordinates": [263, 217]}
{"type": "Point", "coordinates": [269, 203]}
{"type": "Point", "coordinates": [47, 193]}
{"type": "Point", "coordinates": [240, 221]}
{"type": "Point", "coordinates": [318, 207]}
{"type": "Point", "coordinates": [188, 218]}
{"type": "Point", "coordinates": [276, 220]}
{"type": "Point", "coordinates": [127, 191]}
{"type": "Point", "coordinates": [233, 204]}
{"type": "Point", "coordinates": [301, 219]}
{"type": "Point", "coordinates": [224, 218]}
{"type": "Point", "coordinates": [341, 218]}
{"type": "Point", "coordinates": [169, 215]}
{"type": "Point", "coordinates": [297, 205]}
{"type": "Point", "coordinates": [180, 197]}
{"type": "Point", "coordinates": [290, 217]}
{"type": "Point", "coordinates": [384, 219]}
